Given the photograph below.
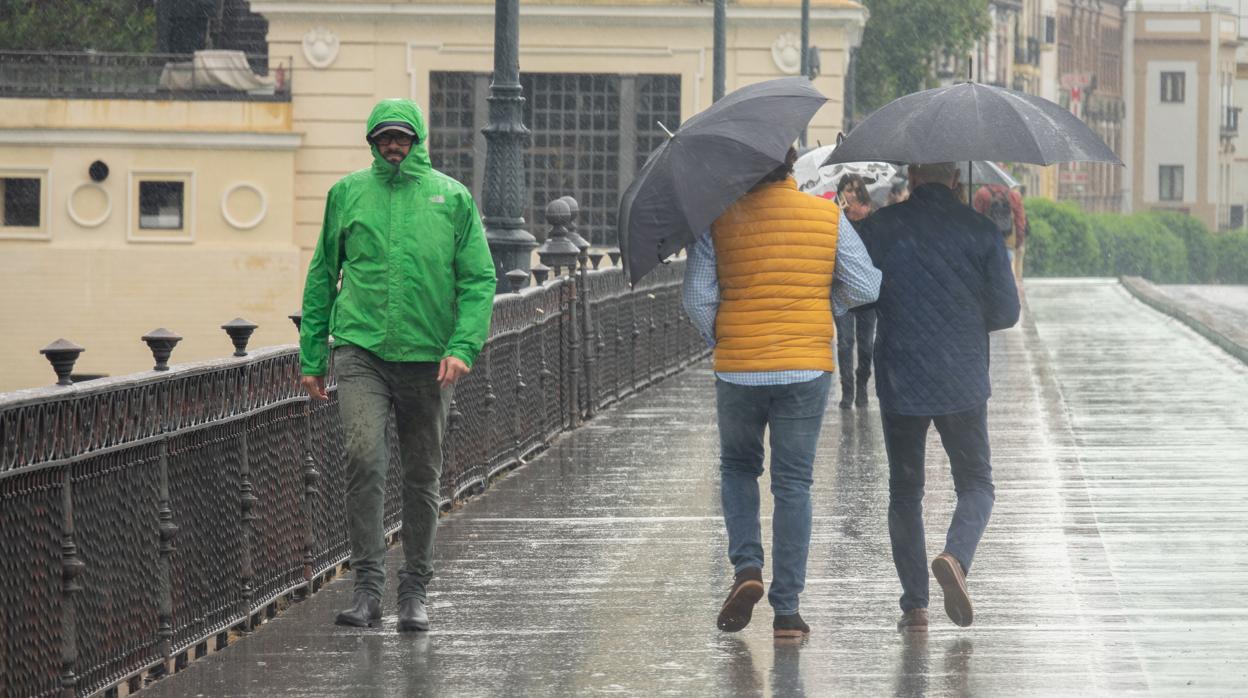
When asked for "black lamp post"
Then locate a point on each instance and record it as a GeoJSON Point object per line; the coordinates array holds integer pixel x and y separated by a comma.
{"type": "Point", "coordinates": [505, 137]}
{"type": "Point", "coordinates": [805, 52]}
{"type": "Point", "coordinates": [718, 52]}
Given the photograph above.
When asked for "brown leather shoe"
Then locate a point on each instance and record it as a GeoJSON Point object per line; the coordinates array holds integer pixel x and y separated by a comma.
{"type": "Point", "coordinates": [948, 571]}
{"type": "Point", "coordinates": [913, 621]}
{"type": "Point", "coordinates": [790, 627]}
{"type": "Point", "coordinates": [747, 590]}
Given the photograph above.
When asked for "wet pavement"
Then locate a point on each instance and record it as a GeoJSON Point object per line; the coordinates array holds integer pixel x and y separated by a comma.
{"type": "Point", "coordinates": [1114, 563]}
{"type": "Point", "coordinates": [1223, 309]}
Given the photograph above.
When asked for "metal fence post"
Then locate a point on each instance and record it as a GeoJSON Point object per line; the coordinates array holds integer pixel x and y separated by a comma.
{"type": "Point", "coordinates": [650, 353]}
{"type": "Point", "coordinates": [587, 329]}
{"type": "Point", "coordinates": [248, 502]}
{"type": "Point", "coordinates": [490, 400]}
{"type": "Point", "coordinates": [519, 404]}
{"type": "Point", "coordinates": [560, 252]}
{"type": "Point", "coordinates": [450, 442]}
{"type": "Point", "coordinates": [71, 568]}
{"type": "Point", "coordinates": [544, 377]}
{"type": "Point", "coordinates": [311, 490]}
{"type": "Point", "coordinates": [634, 302]}
{"type": "Point", "coordinates": [574, 354]}
{"type": "Point", "coordinates": [168, 529]}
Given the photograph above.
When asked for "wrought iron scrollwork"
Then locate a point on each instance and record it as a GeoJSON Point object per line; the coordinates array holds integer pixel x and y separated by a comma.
{"type": "Point", "coordinates": [143, 515]}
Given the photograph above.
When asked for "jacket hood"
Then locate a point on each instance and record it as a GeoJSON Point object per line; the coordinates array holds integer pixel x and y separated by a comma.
{"type": "Point", "coordinates": [416, 164]}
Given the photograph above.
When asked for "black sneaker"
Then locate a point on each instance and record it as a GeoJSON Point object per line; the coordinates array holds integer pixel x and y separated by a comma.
{"type": "Point", "coordinates": [747, 590]}
{"type": "Point", "coordinates": [790, 626]}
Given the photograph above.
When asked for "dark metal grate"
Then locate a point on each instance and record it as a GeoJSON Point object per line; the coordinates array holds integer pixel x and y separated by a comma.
{"type": "Point", "coordinates": [580, 126]}
{"type": "Point", "coordinates": [451, 135]}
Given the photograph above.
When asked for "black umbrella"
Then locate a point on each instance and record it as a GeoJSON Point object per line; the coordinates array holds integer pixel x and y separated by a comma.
{"type": "Point", "coordinates": [711, 160]}
{"type": "Point", "coordinates": [970, 121]}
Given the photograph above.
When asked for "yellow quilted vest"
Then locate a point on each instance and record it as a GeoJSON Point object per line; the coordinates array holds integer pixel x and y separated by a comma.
{"type": "Point", "coordinates": [775, 252]}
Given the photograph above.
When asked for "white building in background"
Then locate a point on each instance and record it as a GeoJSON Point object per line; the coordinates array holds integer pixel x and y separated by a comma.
{"type": "Point", "coordinates": [1182, 118]}
{"type": "Point", "coordinates": [1239, 168]}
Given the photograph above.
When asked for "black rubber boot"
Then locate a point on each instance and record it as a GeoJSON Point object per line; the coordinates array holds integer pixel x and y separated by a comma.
{"type": "Point", "coordinates": [413, 616]}
{"type": "Point", "coordinates": [365, 612]}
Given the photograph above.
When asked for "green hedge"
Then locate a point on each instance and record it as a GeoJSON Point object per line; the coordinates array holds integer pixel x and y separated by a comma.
{"type": "Point", "coordinates": [1232, 252]}
{"type": "Point", "coordinates": [1164, 247]}
{"type": "Point", "coordinates": [1067, 248]}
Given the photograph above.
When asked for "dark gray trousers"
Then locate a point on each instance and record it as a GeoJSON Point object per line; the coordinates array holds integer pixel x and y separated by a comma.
{"type": "Point", "coordinates": [368, 389]}
{"type": "Point", "coordinates": [965, 438]}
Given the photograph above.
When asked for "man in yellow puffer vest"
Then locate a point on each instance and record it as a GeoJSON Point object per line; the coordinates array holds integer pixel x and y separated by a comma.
{"type": "Point", "coordinates": [762, 287]}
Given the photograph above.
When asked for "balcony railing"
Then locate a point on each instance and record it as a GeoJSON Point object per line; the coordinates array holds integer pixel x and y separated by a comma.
{"type": "Point", "coordinates": [1230, 122]}
{"type": "Point", "coordinates": [204, 75]}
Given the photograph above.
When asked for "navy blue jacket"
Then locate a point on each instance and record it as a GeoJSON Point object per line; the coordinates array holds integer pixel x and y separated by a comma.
{"type": "Point", "coordinates": [947, 284]}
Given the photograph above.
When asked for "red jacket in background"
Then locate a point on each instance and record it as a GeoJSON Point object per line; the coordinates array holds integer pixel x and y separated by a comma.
{"type": "Point", "coordinates": [983, 199]}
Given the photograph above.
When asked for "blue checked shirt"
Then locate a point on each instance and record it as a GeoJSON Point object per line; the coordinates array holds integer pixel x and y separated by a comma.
{"type": "Point", "coordinates": [856, 282]}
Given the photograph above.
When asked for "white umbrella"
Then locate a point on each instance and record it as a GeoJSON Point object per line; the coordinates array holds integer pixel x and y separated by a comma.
{"type": "Point", "coordinates": [822, 181]}
{"type": "Point", "coordinates": [986, 172]}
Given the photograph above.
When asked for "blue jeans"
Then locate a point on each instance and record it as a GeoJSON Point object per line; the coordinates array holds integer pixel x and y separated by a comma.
{"type": "Point", "coordinates": [965, 438]}
{"type": "Point", "coordinates": [794, 414]}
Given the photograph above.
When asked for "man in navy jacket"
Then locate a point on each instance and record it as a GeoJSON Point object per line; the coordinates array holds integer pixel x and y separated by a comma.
{"type": "Point", "coordinates": [946, 284]}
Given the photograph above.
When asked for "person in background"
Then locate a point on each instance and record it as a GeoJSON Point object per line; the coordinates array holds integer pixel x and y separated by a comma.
{"type": "Point", "coordinates": [899, 191]}
{"type": "Point", "coordinates": [1004, 206]}
{"type": "Point", "coordinates": [858, 324]}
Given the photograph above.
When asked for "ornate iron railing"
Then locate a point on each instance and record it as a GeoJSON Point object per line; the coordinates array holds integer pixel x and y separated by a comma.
{"type": "Point", "coordinates": [221, 75]}
{"type": "Point", "coordinates": [143, 517]}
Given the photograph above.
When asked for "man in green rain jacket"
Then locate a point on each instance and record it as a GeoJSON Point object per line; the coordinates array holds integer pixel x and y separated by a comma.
{"type": "Point", "coordinates": [408, 319]}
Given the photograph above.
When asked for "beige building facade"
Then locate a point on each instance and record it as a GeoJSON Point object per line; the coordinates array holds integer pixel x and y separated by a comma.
{"type": "Point", "coordinates": [211, 205]}
{"type": "Point", "coordinates": [601, 79]}
{"type": "Point", "coordinates": [190, 228]}
{"type": "Point", "coordinates": [1182, 119]}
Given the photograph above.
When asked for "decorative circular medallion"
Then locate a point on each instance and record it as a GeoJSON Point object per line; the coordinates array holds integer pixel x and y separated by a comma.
{"type": "Point", "coordinates": [255, 205]}
{"type": "Point", "coordinates": [786, 53]}
{"type": "Point", "coordinates": [93, 200]}
{"type": "Point", "coordinates": [320, 47]}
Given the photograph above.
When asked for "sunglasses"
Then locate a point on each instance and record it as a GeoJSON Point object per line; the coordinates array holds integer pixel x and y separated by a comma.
{"type": "Point", "coordinates": [401, 139]}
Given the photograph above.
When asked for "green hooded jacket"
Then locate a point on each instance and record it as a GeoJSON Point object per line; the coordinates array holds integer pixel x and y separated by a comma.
{"type": "Point", "coordinates": [417, 276]}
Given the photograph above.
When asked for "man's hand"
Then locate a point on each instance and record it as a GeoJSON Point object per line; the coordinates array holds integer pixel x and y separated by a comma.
{"type": "Point", "coordinates": [315, 387]}
{"type": "Point", "coordinates": [450, 371]}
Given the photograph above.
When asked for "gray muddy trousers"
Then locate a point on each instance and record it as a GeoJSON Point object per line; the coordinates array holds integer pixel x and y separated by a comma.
{"type": "Point", "coordinates": [368, 388]}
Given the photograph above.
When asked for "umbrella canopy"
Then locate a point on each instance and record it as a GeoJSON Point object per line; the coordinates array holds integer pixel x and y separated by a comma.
{"type": "Point", "coordinates": [970, 121]}
{"type": "Point", "coordinates": [813, 178]}
{"type": "Point", "coordinates": [809, 171]}
{"type": "Point", "coordinates": [712, 159]}
{"type": "Point", "coordinates": [984, 172]}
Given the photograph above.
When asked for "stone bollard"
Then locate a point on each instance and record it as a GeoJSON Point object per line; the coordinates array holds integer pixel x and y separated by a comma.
{"type": "Point", "coordinates": [540, 273]}
{"type": "Point", "coordinates": [240, 332]}
{"type": "Point", "coordinates": [161, 342]}
{"type": "Point", "coordinates": [62, 354]}
{"type": "Point", "coordinates": [517, 278]}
